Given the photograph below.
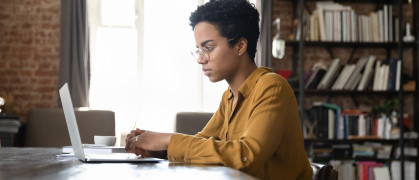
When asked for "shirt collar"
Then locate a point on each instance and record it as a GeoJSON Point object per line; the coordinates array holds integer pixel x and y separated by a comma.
{"type": "Point", "coordinates": [246, 88]}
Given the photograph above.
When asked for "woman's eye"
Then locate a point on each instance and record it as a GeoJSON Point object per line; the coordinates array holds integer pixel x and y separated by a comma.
{"type": "Point", "coordinates": [209, 48]}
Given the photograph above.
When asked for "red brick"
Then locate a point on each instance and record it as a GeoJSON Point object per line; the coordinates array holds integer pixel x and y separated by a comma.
{"type": "Point", "coordinates": [41, 73]}
{"type": "Point", "coordinates": [29, 52]}
{"type": "Point", "coordinates": [47, 97]}
{"type": "Point", "coordinates": [45, 65]}
{"type": "Point", "coordinates": [3, 80]}
{"type": "Point", "coordinates": [45, 81]}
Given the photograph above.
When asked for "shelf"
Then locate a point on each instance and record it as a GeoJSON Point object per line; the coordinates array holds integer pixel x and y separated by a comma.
{"type": "Point", "coordinates": [359, 158]}
{"type": "Point", "coordinates": [358, 140]}
{"type": "Point", "coordinates": [347, 92]}
{"type": "Point", "coordinates": [349, 44]}
{"type": "Point", "coordinates": [356, 1]}
{"type": "Point", "coordinates": [322, 159]}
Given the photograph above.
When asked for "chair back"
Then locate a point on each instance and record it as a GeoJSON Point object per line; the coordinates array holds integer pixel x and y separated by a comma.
{"type": "Point", "coordinates": [191, 122]}
{"type": "Point", "coordinates": [46, 127]}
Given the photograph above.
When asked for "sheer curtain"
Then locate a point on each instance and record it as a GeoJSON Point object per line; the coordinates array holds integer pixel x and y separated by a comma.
{"type": "Point", "coordinates": [141, 66]}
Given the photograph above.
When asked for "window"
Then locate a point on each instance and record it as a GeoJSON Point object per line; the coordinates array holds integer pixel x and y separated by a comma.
{"type": "Point", "coordinates": [141, 66]}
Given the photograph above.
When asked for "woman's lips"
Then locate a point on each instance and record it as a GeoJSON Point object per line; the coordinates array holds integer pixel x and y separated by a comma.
{"type": "Point", "coordinates": [206, 71]}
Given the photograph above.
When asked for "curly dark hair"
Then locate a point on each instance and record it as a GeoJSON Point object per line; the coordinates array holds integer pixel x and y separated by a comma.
{"type": "Point", "coordinates": [233, 19]}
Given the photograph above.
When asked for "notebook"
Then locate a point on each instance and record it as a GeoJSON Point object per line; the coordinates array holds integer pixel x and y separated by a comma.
{"type": "Point", "coordinates": [73, 131]}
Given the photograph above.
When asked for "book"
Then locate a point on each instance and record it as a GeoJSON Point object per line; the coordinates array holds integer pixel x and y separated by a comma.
{"type": "Point", "coordinates": [391, 83]}
{"type": "Point", "coordinates": [321, 24]}
{"type": "Point", "coordinates": [398, 73]}
{"type": "Point", "coordinates": [390, 23]}
{"type": "Point", "coordinates": [356, 74]}
{"type": "Point", "coordinates": [340, 76]}
{"type": "Point", "coordinates": [95, 149]}
{"type": "Point", "coordinates": [364, 167]}
{"type": "Point", "coordinates": [396, 29]}
{"type": "Point", "coordinates": [381, 24]}
{"type": "Point", "coordinates": [335, 116]}
{"type": "Point", "coordinates": [316, 78]}
{"type": "Point", "coordinates": [318, 71]}
{"type": "Point", "coordinates": [381, 173]}
{"type": "Point", "coordinates": [354, 26]}
{"type": "Point", "coordinates": [376, 75]}
{"type": "Point", "coordinates": [386, 23]}
{"type": "Point", "coordinates": [345, 76]}
{"type": "Point", "coordinates": [385, 77]}
{"type": "Point", "coordinates": [329, 24]}
{"type": "Point", "coordinates": [366, 74]}
{"type": "Point", "coordinates": [337, 27]}
{"type": "Point", "coordinates": [331, 123]}
{"type": "Point", "coordinates": [331, 72]}
{"type": "Point", "coordinates": [374, 20]}
{"type": "Point", "coordinates": [359, 28]}
{"type": "Point", "coordinates": [362, 131]}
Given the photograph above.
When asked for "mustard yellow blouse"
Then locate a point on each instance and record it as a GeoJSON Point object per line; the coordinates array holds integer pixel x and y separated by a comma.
{"type": "Point", "coordinates": [261, 135]}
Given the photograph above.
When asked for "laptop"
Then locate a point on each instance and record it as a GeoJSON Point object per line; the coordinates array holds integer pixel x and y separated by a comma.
{"type": "Point", "coordinates": [73, 130]}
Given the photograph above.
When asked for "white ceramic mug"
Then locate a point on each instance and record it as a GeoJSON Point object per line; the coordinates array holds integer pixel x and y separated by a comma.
{"type": "Point", "coordinates": [105, 140]}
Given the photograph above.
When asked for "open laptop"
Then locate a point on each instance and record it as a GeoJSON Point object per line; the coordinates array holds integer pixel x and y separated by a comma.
{"type": "Point", "coordinates": [73, 130]}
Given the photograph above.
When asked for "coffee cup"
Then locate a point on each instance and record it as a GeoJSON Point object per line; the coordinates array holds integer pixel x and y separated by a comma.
{"type": "Point", "coordinates": [105, 140]}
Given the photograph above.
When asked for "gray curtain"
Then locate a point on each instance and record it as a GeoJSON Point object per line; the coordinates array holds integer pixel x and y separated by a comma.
{"type": "Point", "coordinates": [264, 57]}
{"type": "Point", "coordinates": [74, 61]}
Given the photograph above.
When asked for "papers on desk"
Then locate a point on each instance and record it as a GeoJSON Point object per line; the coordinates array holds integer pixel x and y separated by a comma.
{"type": "Point", "coordinates": [95, 149]}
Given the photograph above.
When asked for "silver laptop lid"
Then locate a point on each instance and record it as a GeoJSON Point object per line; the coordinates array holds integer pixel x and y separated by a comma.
{"type": "Point", "coordinates": [70, 118]}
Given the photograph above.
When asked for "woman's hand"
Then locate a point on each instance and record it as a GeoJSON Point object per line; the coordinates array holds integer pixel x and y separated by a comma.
{"type": "Point", "coordinates": [147, 143]}
{"type": "Point", "coordinates": [132, 134]}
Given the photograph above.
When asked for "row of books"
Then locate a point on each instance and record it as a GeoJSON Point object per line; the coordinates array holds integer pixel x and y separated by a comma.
{"type": "Point", "coordinates": [334, 123]}
{"type": "Point", "coordinates": [335, 22]}
{"type": "Point", "coordinates": [370, 170]}
{"type": "Point", "coordinates": [368, 150]}
{"type": "Point", "coordinates": [363, 74]}
{"type": "Point", "coordinates": [371, 150]}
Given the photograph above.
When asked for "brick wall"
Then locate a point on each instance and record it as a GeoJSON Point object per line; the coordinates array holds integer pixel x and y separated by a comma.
{"type": "Point", "coordinates": [29, 53]}
{"type": "Point", "coordinates": [284, 10]}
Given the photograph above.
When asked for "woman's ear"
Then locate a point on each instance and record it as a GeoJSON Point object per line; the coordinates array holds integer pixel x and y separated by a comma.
{"type": "Point", "coordinates": [241, 46]}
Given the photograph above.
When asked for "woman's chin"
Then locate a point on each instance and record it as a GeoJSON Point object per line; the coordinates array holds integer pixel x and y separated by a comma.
{"type": "Point", "coordinates": [214, 79]}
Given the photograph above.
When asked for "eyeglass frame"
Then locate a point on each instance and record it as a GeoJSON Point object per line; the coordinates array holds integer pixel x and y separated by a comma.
{"type": "Point", "coordinates": [199, 52]}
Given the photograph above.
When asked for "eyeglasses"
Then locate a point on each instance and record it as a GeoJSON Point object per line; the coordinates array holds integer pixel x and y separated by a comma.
{"type": "Point", "coordinates": [204, 52]}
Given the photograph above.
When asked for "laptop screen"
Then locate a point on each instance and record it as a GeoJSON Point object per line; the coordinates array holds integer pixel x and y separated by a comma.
{"type": "Point", "coordinates": [70, 118]}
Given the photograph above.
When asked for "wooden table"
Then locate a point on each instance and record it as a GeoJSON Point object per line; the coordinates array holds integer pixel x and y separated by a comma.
{"type": "Point", "coordinates": [42, 163]}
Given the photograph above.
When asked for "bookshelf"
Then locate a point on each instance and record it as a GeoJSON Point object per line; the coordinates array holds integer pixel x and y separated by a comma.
{"type": "Point", "coordinates": [391, 49]}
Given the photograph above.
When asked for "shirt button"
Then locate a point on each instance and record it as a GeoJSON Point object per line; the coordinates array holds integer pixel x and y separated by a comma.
{"type": "Point", "coordinates": [244, 159]}
{"type": "Point", "coordinates": [173, 158]}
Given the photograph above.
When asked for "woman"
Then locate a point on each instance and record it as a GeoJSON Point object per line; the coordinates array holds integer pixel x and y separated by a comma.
{"type": "Point", "coordinates": [256, 128]}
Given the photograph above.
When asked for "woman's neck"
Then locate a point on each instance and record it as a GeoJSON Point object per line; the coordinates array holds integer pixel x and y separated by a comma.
{"type": "Point", "coordinates": [237, 80]}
